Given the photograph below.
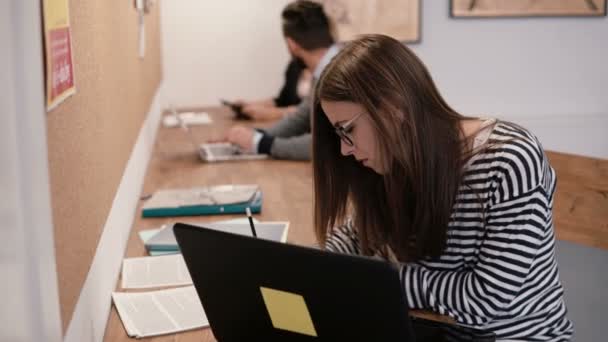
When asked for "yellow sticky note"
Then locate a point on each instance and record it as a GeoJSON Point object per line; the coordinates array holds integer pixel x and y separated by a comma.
{"type": "Point", "coordinates": [288, 311]}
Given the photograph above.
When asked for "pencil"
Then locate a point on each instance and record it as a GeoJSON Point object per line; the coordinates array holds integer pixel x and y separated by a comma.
{"type": "Point", "coordinates": [251, 222]}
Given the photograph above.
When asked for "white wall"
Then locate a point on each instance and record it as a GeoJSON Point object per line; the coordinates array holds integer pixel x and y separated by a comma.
{"type": "Point", "coordinates": [548, 74]}
{"type": "Point", "coordinates": [29, 309]}
{"type": "Point", "coordinates": [221, 49]}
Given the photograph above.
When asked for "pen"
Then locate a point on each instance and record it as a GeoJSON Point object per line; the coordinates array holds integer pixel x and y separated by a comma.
{"type": "Point", "coordinates": [251, 222]}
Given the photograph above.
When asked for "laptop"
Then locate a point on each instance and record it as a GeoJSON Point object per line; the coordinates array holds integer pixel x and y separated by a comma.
{"type": "Point", "coordinates": [253, 289]}
{"type": "Point", "coordinates": [215, 152]}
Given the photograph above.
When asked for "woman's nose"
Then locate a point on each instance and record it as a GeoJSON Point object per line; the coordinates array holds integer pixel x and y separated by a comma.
{"type": "Point", "coordinates": [345, 148]}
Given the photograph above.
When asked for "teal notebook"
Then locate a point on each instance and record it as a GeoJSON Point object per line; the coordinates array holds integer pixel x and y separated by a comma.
{"type": "Point", "coordinates": [224, 199]}
{"type": "Point", "coordinates": [145, 235]}
{"type": "Point", "coordinates": [164, 240]}
{"type": "Point", "coordinates": [154, 249]}
{"type": "Point", "coordinates": [161, 241]}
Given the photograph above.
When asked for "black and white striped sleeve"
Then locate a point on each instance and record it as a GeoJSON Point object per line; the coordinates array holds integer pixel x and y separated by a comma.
{"type": "Point", "coordinates": [343, 239]}
{"type": "Point", "coordinates": [515, 226]}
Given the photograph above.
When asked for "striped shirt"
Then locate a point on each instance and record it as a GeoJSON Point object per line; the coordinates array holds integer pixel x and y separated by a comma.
{"type": "Point", "coordinates": [499, 271]}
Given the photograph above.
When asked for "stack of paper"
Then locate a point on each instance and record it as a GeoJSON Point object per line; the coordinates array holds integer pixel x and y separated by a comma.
{"type": "Point", "coordinates": [160, 312]}
{"type": "Point", "coordinates": [157, 271]}
{"type": "Point", "coordinates": [168, 311]}
{"type": "Point", "coordinates": [188, 118]}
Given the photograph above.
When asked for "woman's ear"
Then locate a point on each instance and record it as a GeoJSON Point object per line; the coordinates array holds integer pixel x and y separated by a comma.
{"type": "Point", "coordinates": [293, 47]}
{"type": "Point", "coordinates": [394, 112]}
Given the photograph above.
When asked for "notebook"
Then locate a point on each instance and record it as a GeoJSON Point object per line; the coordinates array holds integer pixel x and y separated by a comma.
{"type": "Point", "coordinates": [146, 234]}
{"type": "Point", "coordinates": [164, 240]}
{"type": "Point", "coordinates": [222, 199]}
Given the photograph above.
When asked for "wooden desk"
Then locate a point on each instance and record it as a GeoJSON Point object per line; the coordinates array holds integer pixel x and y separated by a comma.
{"type": "Point", "coordinates": [287, 187]}
{"type": "Point", "coordinates": [580, 208]}
{"type": "Point", "coordinates": [580, 203]}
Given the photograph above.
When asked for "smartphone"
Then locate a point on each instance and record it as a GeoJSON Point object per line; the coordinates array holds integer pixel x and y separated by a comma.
{"type": "Point", "coordinates": [237, 109]}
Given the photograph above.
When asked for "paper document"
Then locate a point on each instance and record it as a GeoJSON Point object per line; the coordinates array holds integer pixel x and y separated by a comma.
{"type": "Point", "coordinates": [188, 118]}
{"type": "Point", "coordinates": [154, 271]}
{"type": "Point", "coordinates": [161, 312]}
{"type": "Point", "coordinates": [214, 152]}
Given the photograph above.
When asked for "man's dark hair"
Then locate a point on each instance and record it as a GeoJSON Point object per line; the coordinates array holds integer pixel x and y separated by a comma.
{"type": "Point", "coordinates": [307, 24]}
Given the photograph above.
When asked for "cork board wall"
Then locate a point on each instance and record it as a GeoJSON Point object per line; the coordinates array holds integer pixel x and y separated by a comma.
{"type": "Point", "coordinates": [91, 134]}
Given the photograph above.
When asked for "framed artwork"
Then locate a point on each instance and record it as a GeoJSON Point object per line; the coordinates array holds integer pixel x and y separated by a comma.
{"type": "Point", "coordinates": [399, 19]}
{"type": "Point", "coordinates": [527, 8]}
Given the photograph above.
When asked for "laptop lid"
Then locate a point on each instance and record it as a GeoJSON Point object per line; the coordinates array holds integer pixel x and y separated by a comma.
{"type": "Point", "coordinates": [260, 290]}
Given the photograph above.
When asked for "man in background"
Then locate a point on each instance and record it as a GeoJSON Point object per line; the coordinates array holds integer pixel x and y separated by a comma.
{"type": "Point", "coordinates": [308, 35]}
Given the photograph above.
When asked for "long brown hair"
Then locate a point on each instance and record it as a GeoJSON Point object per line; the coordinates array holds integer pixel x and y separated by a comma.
{"type": "Point", "coordinates": [419, 139]}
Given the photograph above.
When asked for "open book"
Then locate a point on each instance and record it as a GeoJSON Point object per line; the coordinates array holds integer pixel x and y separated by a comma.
{"type": "Point", "coordinates": [161, 312]}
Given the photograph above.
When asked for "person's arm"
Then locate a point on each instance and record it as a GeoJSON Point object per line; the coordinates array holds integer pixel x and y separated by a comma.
{"type": "Point", "coordinates": [517, 225]}
{"type": "Point", "coordinates": [292, 148]}
{"type": "Point", "coordinates": [290, 138]}
{"type": "Point", "coordinates": [262, 113]}
{"type": "Point", "coordinates": [269, 102]}
{"type": "Point", "coordinates": [343, 239]}
{"type": "Point", "coordinates": [480, 293]}
{"type": "Point", "coordinates": [295, 124]}
{"type": "Point", "coordinates": [515, 232]}
{"type": "Point", "coordinates": [476, 295]}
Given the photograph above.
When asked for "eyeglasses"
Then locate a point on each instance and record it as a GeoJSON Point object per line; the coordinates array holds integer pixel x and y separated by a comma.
{"type": "Point", "coordinates": [343, 130]}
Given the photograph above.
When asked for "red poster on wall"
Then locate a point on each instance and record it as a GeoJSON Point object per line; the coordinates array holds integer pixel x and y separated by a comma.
{"type": "Point", "coordinates": [59, 62]}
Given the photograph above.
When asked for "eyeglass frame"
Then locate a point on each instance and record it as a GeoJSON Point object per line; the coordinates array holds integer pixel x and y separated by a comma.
{"type": "Point", "coordinates": [342, 128]}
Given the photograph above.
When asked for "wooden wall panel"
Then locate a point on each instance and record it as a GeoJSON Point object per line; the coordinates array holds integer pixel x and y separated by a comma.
{"type": "Point", "coordinates": [580, 211]}
{"type": "Point", "coordinates": [91, 135]}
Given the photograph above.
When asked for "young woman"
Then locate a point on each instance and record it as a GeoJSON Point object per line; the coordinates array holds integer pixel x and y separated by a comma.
{"type": "Point", "coordinates": [463, 204]}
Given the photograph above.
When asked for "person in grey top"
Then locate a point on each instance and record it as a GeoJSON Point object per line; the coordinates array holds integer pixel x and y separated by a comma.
{"type": "Point", "coordinates": [308, 36]}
